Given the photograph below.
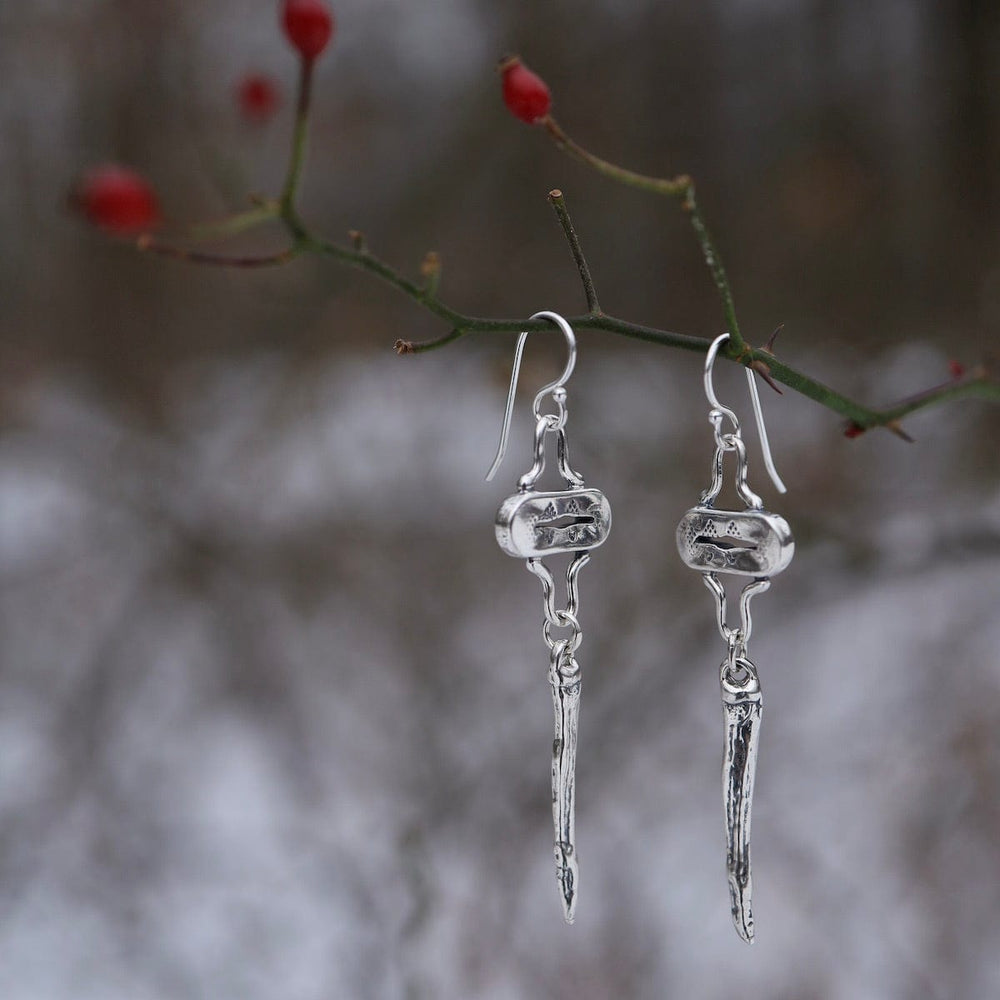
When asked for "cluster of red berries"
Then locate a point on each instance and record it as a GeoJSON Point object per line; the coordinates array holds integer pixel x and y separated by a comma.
{"type": "Point", "coordinates": [122, 202]}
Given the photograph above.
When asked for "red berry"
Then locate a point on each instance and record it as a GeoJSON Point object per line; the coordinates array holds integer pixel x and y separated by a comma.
{"type": "Point", "coordinates": [308, 25]}
{"type": "Point", "coordinates": [525, 93]}
{"type": "Point", "coordinates": [117, 199]}
{"type": "Point", "coordinates": [853, 430]}
{"type": "Point", "coordinates": [258, 96]}
{"type": "Point", "coordinates": [956, 368]}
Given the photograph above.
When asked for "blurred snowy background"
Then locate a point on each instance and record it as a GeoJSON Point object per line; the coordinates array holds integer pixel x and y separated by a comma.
{"type": "Point", "coordinates": [274, 717]}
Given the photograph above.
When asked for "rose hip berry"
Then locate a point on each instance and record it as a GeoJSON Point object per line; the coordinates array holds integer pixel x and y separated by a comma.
{"type": "Point", "coordinates": [116, 199]}
{"type": "Point", "coordinates": [525, 93]}
{"type": "Point", "coordinates": [308, 25]}
{"type": "Point", "coordinates": [258, 96]}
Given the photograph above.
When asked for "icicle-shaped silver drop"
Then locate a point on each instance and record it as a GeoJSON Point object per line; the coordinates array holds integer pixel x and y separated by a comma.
{"type": "Point", "coordinates": [741, 708]}
{"type": "Point", "coordinates": [564, 674]}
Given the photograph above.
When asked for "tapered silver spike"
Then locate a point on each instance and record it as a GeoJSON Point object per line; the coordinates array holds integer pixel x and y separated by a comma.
{"type": "Point", "coordinates": [741, 707]}
{"type": "Point", "coordinates": [565, 677]}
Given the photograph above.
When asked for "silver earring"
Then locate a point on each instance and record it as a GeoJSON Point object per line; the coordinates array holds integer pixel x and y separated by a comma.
{"type": "Point", "coordinates": [750, 542]}
{"type": "Point", "coordinates": [531, 525]}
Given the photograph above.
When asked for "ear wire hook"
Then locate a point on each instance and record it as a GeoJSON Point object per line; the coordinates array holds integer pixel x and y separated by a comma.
{"type": "Point", "coordinates": [557, 387]}
{"type": "Point", "coordinates": [758, 413]}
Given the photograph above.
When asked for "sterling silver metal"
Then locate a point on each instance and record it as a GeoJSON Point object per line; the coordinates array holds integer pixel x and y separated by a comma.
{"type": "Point", "coordinates": [531, 525]}
{"type": "Point", "coordinates": [750, 542]}
{"type": "Point", "coordinates": [741, 706]}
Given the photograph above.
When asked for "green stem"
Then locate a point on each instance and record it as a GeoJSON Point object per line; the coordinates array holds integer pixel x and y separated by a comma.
{"type": "Point", "coordinates": [147, 244]}
{"type": "Point", "coordinates": [233, 225]}
{"type": "Point", "coordinates": [681, 186]}
{"type": "Point", "coordinates": [979, 386]}
{"type": "Point", "coordinates": [300, 137]}
{"type": "Point", "coordinates": [674, 187]}
{"type": "Point", "coordinates": [736, 345]}
{"type": "Point", "coordinates": [364, 260]}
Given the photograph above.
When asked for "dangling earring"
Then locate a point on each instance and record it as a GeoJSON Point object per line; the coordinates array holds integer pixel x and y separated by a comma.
{"type": "Point", "coordinates": [531, 525]}
{"type": "Point", "coordinates": [754, 543]}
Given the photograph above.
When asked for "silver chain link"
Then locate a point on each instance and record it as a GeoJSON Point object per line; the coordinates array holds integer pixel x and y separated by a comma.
{"type": "Point", "coordinates": [732, 441]}
{"type": "Point", "coordinates": [561, 617]}
{"type": "Point", "coordinates": [551, 423]}
{"type": "Point", "coordinates": [737, 671]}
{"type": "Point", "coordinates": [736, 639]}
{"type": "Point", "coordinates": [561, 648]}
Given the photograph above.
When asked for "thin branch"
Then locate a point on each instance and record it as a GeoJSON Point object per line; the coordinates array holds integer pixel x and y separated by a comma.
{"type": "Point", "coordinates": [736, 343]}
{"type": "Point", "coordinates": [365, 260]}
{"type": "Point", "coordinates": [682, 187]}
{"type": "Point", "coordinates": [420, 346]}
{"type": "Point", "coordinates": [761, 360]}
{"type": "Point", "coordinates": [558, 202]}
{"type": "Point", "coordinates": [147, 244]}
{"type": "Point", "coordinates": [674, 187]}
{"type": "Point", "coordinates": [300, 139]}
{"type": "Point", "coordinates": [978, 385]}
{"type": "Point", "coordinates": [232, 225]}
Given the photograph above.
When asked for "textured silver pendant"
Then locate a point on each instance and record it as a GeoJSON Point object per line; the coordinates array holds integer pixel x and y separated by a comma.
{"type": "Point", "coordinates": [744, 542]}
{"type": "Point", "coordinates": [565, 679]}
{"type": "Point", "coordinates": [741, 707]}
{"type": "Point", "coordinates": [531, 525]}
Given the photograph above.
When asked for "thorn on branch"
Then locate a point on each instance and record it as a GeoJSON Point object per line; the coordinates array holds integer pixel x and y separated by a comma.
{"type": "Point", "coordinates": [897, 428]}
{"type": "Point", "coordinates": [762, 369]}
{"type": "Point", "coordinates": [769, 346]}
{"type": "Point", "coordinates": [854, 429]}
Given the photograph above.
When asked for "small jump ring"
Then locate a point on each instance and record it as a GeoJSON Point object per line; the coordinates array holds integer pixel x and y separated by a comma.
{"type": "Point", "coordinates": [563, 619]}
{"type": "Point", "coordinates": [739, 676]}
